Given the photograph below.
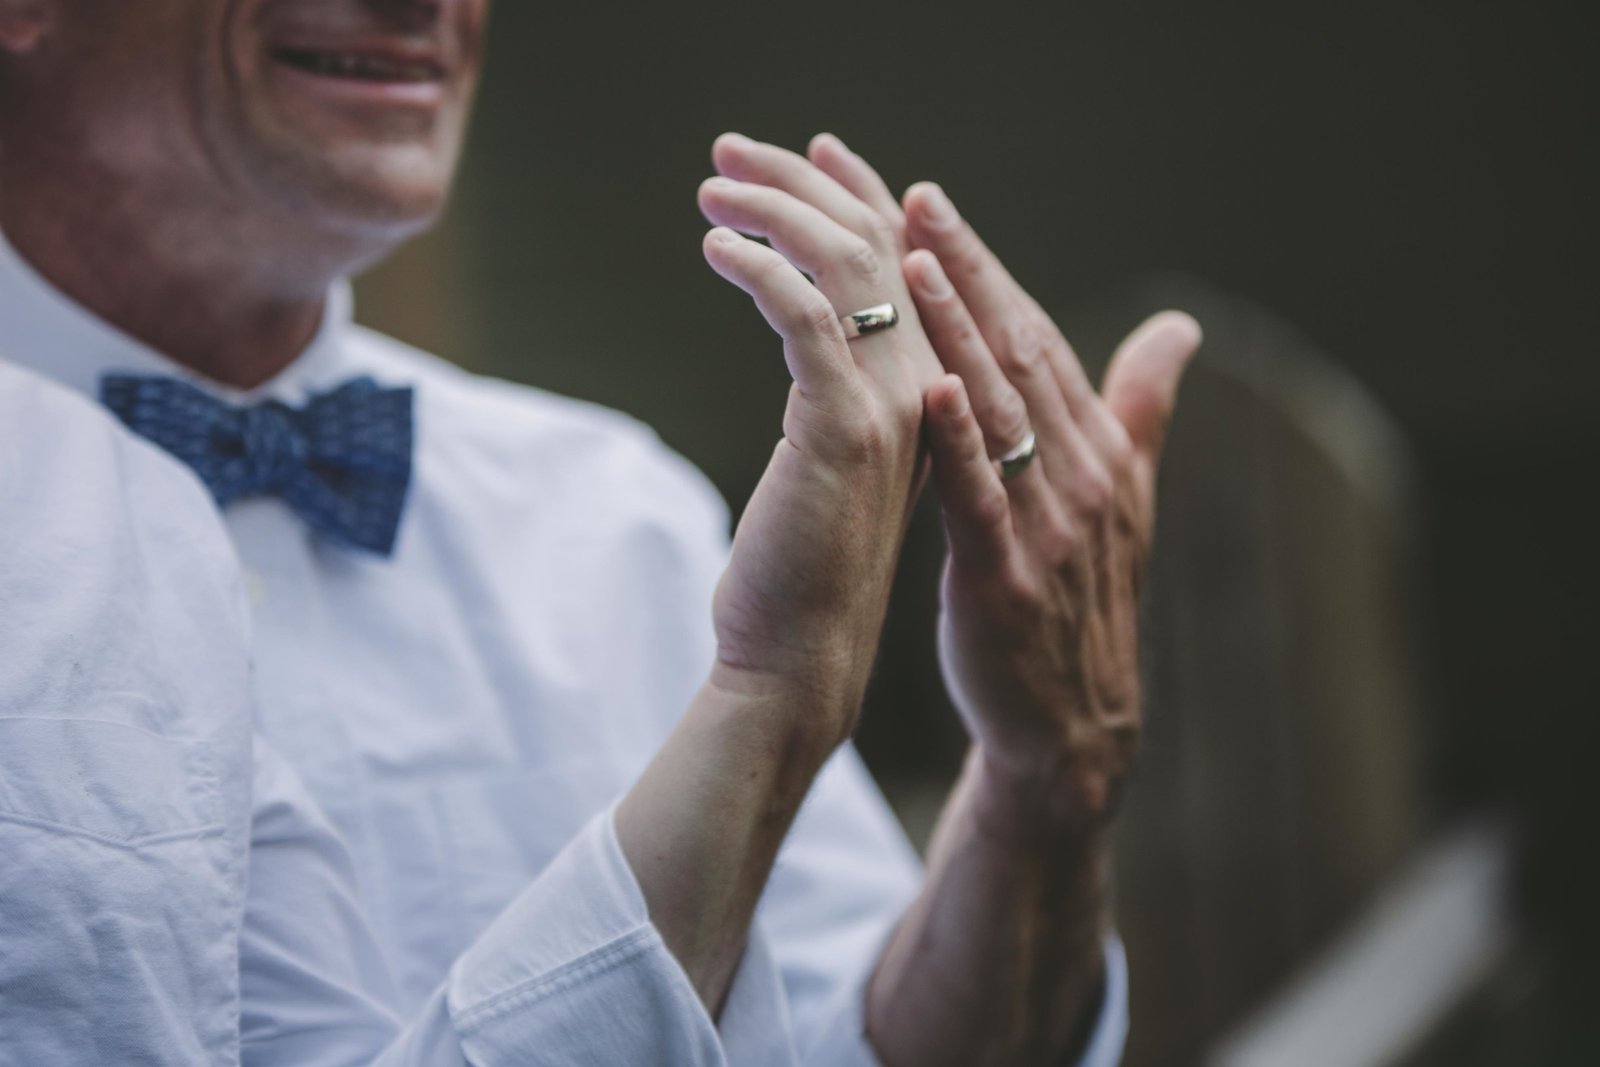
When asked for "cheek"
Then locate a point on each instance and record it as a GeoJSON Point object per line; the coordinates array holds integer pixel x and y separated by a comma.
{"type": "Point", "coordinates": [132, 119]}
{"type": "Point", "coordinates": [137, 92]}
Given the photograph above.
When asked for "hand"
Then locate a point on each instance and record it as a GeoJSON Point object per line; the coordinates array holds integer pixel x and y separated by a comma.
{"type": "Point", "coordinates": [802, 601]}
{"type": "Point", "coordinates": [1039, 632]}
{"type": "Point", "coordinates": [799, 609]}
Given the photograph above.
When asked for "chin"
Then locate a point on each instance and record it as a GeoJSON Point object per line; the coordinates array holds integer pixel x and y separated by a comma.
{"type": "Point", "coordinates": [373, 197]}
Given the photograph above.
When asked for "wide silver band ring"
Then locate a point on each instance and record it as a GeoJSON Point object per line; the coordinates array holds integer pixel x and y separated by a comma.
{"type": "Point", "coordinates": [1016, 461]}
{"type": "Point", "coordinates": [868, 320]}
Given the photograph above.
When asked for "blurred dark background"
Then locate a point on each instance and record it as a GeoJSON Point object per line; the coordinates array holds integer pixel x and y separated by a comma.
{"type": "Point", "coordinates": [1370, 621]}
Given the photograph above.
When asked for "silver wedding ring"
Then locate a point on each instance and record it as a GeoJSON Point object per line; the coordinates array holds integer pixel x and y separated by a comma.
{"type": "Point", "coordinates": [869, 320]}
{"type": "Point", "coordinates": [1016, 461]}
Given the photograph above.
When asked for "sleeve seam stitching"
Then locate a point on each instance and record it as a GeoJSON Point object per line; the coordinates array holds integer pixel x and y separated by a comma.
{"type": "Point", "coordinates": [607, 957]}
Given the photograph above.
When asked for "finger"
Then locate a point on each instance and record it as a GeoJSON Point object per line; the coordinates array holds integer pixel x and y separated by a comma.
{"type": "Point", "coordinates": [1013, 324]}
{"type": "Point", "coordinates": [1141, 382]}
{"type": "Point", "coordinates": [977, 511]}
{"type": "Point", "coordinates": [1011, 398]}
{"type": "Point", "coordinates": [814, 346]}
{"type": "Point", "coordinates": [836, 160]}
{"type": "Point", "coordinates": [737, 156]}
{"type": "Point", "coordinates": [757, 163]}
{"type": "Point", "coordinates": [846, 267]}
{"type": "Point", "coordinates": [1000, 411]}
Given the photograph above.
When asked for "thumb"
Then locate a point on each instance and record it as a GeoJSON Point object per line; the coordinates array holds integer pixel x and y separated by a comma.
{"type": "Point", "coordinates": [1141, 384]}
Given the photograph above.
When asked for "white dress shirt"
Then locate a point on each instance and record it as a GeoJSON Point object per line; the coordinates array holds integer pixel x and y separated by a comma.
{"type": "Point", "coordinates": [465, 713]}
{"type": "Point", "coordinates": [124, 761]}
{"type": "Point", "coordinates": [132, 819]}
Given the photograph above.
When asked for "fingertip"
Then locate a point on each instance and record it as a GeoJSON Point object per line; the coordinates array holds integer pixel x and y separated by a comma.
{"type": "Point", "coordinates": [956, 404]}
{"type": "Point", "coordinates": [720, 237]}
{"type": "Point", "coordinates": [1142, 380]}
{"type": "Point", "coordinates": [1182, 329]}
{"type": "Point", "coordinates": [927, 274]}
{"type": "Point", "coordinates": [713, 185]}
{"type": "Point", "coordinates": [927, 204]}
{"type": "Point", "coordinates": [946, 399]}
{"type": "Point", "coordinates": [1168, 338]}
{"type": "Point", "coordinates": [824, 142]}
{"type": "Point", "coordinates": [918, 260]}
{"type": "Point", "coordinates": [728, 145]}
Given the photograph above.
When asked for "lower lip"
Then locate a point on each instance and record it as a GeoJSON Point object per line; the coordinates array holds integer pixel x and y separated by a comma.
{"type": "Point", "coordinates": [412, 94]}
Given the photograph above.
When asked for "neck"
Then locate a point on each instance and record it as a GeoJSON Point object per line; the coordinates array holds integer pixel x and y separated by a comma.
{"type": "Point", "coordinates": [166, 275]}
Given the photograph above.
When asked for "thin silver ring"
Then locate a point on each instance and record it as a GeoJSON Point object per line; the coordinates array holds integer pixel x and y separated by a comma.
{"type": "Point", "coordinates": [868, 320]}
{"type": "Point", "coordinates": [1016, 461]}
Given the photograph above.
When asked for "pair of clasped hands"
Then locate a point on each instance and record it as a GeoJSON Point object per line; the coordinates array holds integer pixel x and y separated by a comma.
{"type": "Point", "coordinates": [1038, 632]}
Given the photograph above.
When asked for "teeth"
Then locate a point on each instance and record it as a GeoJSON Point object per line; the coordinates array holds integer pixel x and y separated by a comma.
{"type": "Point", "coordinates": [370, 68]}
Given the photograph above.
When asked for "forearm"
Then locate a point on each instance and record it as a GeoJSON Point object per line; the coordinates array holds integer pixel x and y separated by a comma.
{"type": "Point", "coordinates": [1000, 960]}
{"type": "Point", "coordinates": [702, 826]}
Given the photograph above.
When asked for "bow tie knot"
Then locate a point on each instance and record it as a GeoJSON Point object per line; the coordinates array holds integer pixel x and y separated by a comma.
{"type": "Point", "coordinates": [270, 449]}
{"type": "Point", "coordinates": [342, 462]}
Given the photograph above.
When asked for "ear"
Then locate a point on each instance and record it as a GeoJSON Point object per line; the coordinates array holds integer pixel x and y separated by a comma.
{"type": "Point", "coordinates": [22, 23]}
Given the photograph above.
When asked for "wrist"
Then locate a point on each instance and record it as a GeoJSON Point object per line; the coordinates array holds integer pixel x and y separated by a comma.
{"type": "Point", "coordinates": [1067, 802]}
{"type": "Point", "coordinates": [806, 713]}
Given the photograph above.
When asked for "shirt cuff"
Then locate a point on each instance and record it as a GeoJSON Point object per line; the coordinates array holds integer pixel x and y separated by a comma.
{"type": "Point", "coordinates": [844, 1043]}
{"type": "Point", "coordinates": [1111, 1029]}
{"type": "Point", "coordinates": [573, 972]}
{"type": "Point", "coordinates": [755, 1025]}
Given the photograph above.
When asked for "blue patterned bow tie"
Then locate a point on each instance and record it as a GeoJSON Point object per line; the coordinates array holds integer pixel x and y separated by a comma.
{"type": "Point", "coordinates": [342, 462]}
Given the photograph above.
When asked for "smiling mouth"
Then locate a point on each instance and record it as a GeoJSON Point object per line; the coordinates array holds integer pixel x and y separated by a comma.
{"type": "Point", "coordinates": [361, 66]}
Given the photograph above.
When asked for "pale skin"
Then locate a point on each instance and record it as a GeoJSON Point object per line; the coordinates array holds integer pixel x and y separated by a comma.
{"type": "Point", "coordinates": [999, 960]}
{"type": "Point", "coordinates": [207, 212]}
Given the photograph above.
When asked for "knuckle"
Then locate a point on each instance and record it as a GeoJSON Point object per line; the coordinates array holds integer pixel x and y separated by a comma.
{"type": "Point", "coordinates": [769, 271]}
{"type": "Point", "coordinates": [1060, 543]}
{"type": "Point", "coordinates": [963, 332]}
{"type": "Point", "coordinates": [818, 317]}
{"type": "Point", "coordinates": [1095, 492]}
{"type": "Point", "coordinates": [1009, 415]}
{"type": "Point", "coordinates": [1019, 590]}
{"type": "Point", "coordinates": [1131, 525]}
{"type": "Point", "coordinates": [860, 258]}
{"type": "Point", "coordinates": [1026, 350]}
{"type": "Point", "coordinates": [867, 440]}
{"type": "Point", "coordinates": [989, 507]}
{"type": "Point", "coordinates": [879, 232]}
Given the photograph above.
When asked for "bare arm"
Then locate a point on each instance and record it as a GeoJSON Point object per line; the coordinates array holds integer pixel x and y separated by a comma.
{"type": "Point", "coordinates": [799, 610]}
{"type": "Point", "coordinates": [999, 960]}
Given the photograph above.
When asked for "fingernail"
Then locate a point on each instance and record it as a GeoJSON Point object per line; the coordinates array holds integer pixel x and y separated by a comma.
{"type": "Point", "coordinates": [956, 406]}
{"type": "Point", "coordinates": [932, 282]}
{"type": "Point", "coordinates": [738, 140]}
{"type": "Point", "coordinates": [723, 236]}
{"type": "Point", "coordinates": [937, 206]}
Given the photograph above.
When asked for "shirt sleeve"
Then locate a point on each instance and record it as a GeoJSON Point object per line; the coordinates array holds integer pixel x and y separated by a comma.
{"type": "Point", "coordinates": [572, 973]}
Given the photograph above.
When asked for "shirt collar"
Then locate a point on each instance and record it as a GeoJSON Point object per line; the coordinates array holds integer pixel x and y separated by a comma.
{"type": "Point", "coordinates": [46, 331]}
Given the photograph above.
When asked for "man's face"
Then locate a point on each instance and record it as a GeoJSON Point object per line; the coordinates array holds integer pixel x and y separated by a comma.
{"type": "Point", "coordinates": [337, 118]}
